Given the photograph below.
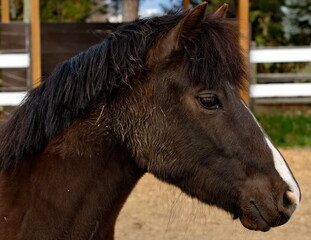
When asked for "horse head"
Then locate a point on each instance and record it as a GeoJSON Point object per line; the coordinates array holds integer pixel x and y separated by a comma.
{"type": "Point", "coordinates": [186, 123]}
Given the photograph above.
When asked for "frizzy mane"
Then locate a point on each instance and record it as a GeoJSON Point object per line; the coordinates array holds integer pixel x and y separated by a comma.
{"type": "Point", "coordinates": [77, 84]}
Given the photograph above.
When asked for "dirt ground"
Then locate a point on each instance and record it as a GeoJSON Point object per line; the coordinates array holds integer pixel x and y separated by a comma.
{"type": "Point", "coordinates": [157, 211]}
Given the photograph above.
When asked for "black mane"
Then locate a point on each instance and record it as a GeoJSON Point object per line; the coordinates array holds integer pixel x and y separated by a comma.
{"type": "Point", "coordinates": [77, 84]}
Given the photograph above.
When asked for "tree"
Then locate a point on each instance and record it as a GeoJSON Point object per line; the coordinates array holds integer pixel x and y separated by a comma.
{"type": "Point", "coordinates": [266, 22]}
{"type": "Point", "coordinates": [129, 10]}
{"type": "Point", "coordinates": [56, 10]}
{"type": "Point", "coordinates": [65, 10]}
{"type": "Point", "coordinates": [297, 21]}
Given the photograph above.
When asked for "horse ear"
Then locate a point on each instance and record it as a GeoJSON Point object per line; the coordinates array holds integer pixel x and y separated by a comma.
{"type": "Point", "coordinates": [185, 29]}
{"type": "Point", "coordinates": [193, 20]}
{"type": "Point", "coordinates": [222, 11]}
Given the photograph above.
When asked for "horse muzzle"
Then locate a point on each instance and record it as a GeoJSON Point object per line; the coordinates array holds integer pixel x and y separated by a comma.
{"type": "Point", "coordinates": [261, 216]}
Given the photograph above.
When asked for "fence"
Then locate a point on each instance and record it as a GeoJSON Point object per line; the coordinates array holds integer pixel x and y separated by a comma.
{"type": "Point", "coordinates": [60, 41]}
{"type": "Point", "coordinates": [14, 56]}
{"type": "Point", "coordinates": [290, 88]}
{"type": "Point", "coordinates": [14, 62]}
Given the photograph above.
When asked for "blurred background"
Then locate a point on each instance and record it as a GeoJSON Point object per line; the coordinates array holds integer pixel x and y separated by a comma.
{"type": "Point", "coordinates": [36, 35]}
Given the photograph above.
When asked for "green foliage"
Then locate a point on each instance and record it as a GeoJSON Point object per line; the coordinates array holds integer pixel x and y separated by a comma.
{"type": "Point", "coordinates": [56, 10]}
{"type": "Point", "coordinates": [297, 21]}
{"type": "Point", "coordinates": [266, 20]}
{"type": "Point", "coordinates": [65, 10]}
{"type": "Point", "coordinates": [288, 130]}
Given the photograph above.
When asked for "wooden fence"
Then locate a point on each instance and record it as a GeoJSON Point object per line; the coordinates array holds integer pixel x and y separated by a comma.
{"type": "Point", "coordinates": [280, 88]}
{"type": "Point", "coordinates": [14, 56]}
{"type": "Point", "coordinates": [60, 41]}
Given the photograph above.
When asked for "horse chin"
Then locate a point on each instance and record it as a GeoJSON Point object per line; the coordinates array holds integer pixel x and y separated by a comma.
{"type": "Point", "coordinates": [251, 219]}
{"type": "Point", "coordinates": [257, 216]}
{"type": "Point", "coordinates": [255, 222]}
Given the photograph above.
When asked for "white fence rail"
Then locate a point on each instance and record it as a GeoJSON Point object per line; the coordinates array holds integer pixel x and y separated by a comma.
{"type": "Point", "coordinates": [270, 55]}
{"type": "Point", "coordinates": [15, 60]}
{"type": "Point", "coordinates": [278, 90]}
{"type": "Point", "coordinates": [11, 98]}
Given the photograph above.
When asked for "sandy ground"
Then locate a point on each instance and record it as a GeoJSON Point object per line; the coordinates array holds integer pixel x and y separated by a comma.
{"type": "Point", "coordinates": [156, 210]}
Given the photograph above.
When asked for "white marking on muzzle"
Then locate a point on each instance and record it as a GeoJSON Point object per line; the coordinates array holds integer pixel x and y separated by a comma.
{"type": "Point", "coordinates": [279, 162]}
{"type": "Point", "coordinates": [283, 170]}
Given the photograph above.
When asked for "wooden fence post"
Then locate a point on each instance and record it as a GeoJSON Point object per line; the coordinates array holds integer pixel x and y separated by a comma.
{"type": "Point", "coordinates": [244, 38]}
{"type": "Point", "coordinates": [186, 5]}
{"type": "Point", "coordinates": [5, 11]}
{"type": "Point", "coordinates": [35, 43]}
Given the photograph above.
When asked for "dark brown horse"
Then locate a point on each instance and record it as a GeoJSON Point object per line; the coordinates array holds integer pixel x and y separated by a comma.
{"type": "Point", "coordinates": [159, 95]}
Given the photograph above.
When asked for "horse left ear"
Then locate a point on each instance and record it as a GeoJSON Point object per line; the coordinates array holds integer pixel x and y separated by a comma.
{"type": "Point", "coordinates": [222, 11]}
{"type": "Point", "coordinates": [186, 28]}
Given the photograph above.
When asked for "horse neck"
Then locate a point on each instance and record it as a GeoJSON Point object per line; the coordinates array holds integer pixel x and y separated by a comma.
{"type": "Point", "coordinates": [74, 189]}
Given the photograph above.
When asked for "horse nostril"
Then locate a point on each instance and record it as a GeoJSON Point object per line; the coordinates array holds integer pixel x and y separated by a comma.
{"type": "Point", "coordinates": [286, 206]}
{"type": "Point", "coordinates": [289, 198]}
{"type": "Point", "coordinates": [286, 200]}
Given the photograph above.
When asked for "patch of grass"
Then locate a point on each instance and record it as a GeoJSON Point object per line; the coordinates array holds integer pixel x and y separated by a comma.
{"type": "Point", "coordinates": [288, 130]}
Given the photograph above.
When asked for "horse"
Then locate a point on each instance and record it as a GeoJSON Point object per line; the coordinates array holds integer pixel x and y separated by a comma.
{"type": "Point", "coordinates": [158, 95]}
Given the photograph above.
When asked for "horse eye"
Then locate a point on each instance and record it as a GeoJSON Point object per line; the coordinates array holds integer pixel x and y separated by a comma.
{"type": "Point", "coordinates": [210, 103]}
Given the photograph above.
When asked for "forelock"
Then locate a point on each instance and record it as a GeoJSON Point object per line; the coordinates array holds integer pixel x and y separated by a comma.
{"type": "Point", "coordinates": [214, 56]}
